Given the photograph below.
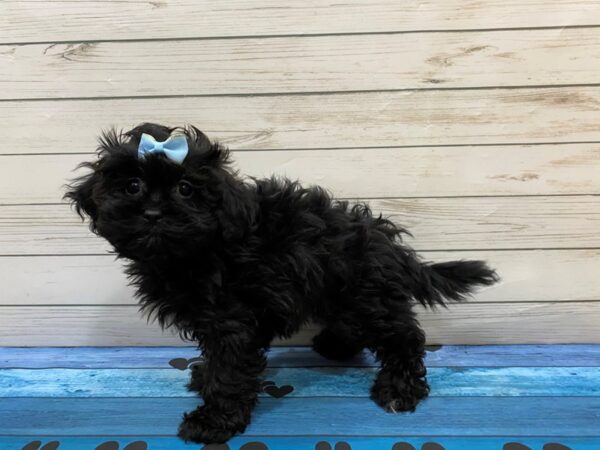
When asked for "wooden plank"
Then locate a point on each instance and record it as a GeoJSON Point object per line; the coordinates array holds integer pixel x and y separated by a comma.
{"type": "Point", "coordinates": [106, 357]}
{"type": "Point", "coordinates": [433, 117]}
{"type": "Point", "coordinates": [562, 355]}
{"type": "Point", "coordinates": [436, 224]}
{"type": "Point", "coordinates": [381, 172]}
{"type": "Point", "coordinates": [515, 356]}
{"type": "Point", "coordinates": [479, 416]}
{"type": "Point", "coordinates": [504, 222]}
{"type": "Point", "coordinates": [469, 323]}
{"type": "Point", "coordinates": [70, 280]}
{"type": "Point", "coordinates": [308, 64]}
{"type": "Point", "coordinates": [522, 272]}
{"type": "Point", "coordinates": [89, 325]}
{"type": "Point", "coordinates": [306, 382]}
{"type": "Point", "coordinates": [309, 442]}
{"type": "Point", "coordinates": [63, 20]}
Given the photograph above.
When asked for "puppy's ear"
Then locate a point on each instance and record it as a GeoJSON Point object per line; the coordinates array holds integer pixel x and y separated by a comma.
{"type": "Point", "coordinates": [203, 152]}
{"type": "Point", "coordinates": [80, 193]}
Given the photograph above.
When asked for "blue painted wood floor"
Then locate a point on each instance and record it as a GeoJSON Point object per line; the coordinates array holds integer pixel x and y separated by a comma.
{"type": "Point", "coordinates": [482, 398]}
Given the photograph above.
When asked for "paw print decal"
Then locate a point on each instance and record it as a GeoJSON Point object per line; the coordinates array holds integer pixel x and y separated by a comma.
{"type": "Point", "coordinates": [549, 446]}
{"type": "Point", "coordinates": [114, 445]}
{"type": "Point", "coordinates": [182, 363]}
{"type": "Point", "coordinates": [270, 388]}
{"type": "Point", "coordinates": [37, 445]}
{"type": "Point", "coordinates": [321, 445]}
{"type": "Point", "coordinates": [338, 446]}
{"type": "Point", "coordinates": [109, 445]}
{"type": "Point", "coordinates": [246, 446]}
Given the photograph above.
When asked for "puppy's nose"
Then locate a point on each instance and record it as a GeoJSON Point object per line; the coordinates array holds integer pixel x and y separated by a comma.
{"type": "Point", "coordinates": [152, 214]}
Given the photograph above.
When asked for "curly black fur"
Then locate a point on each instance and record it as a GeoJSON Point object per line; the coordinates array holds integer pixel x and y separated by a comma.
{"type": "Point", "coordinates": [239, 263]}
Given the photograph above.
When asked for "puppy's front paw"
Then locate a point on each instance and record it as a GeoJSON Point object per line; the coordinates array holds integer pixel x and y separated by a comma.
{"type": "Point", "coordinates": [398, 395]}
{"type": "Point", "coordinates": [210, 425]}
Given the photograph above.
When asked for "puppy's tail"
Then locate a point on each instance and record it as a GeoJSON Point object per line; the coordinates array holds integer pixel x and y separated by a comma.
{"type": "Point", "coordinates": [452, 281]}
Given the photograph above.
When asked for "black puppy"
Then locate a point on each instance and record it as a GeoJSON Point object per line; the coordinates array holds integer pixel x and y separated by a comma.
{"type": "Point", "coordinates": [233, 264]}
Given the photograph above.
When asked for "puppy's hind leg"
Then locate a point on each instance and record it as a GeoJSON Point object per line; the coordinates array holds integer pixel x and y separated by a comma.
{"type": "Point", "coordinates": [338, 341]}
{"type": "Point", "coordinates": [400, 346]}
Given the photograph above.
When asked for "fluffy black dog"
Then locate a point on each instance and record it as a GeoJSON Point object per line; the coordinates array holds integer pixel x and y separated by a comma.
{"type": "Point", "coordinates": [233, 264]}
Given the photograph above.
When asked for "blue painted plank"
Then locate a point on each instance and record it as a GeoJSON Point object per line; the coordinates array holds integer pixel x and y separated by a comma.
{"type": "Point", "coordinates": [92, 357]}
{"type": "Point", "coordinates": [159, 357]}
{"type": "Point", "coordinates": [305, 443]}
{"type": "Point", "coordinates": [307, 382]}
{"type": "Point", "coordinates": [442, 416]}
{"type": "Point", "coordinates": [516, 356]}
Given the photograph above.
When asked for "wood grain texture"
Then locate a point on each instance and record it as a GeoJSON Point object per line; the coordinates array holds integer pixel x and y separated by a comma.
{"type": "Point", "coordinates": [59, 280]}
{"type": "Point", "coordinates": [561, 355]}
{"type": "Point", "coordinates": [308, 64]}
{"type": "Point", "coordinates": [469, 323]}
{"type": "Point", "coordinates": [306, 382]}
{"type": "Point", "coordinates": [89, 325]}
{"type": "Point", "coordinates": [353, 173]}
{"type": "Point", "coordinates": [480, 416]}
{"type": "Point", "coordinates": [309, 442]}
{"type": "Point", "coordinates": [566, 275]}
{"type": "Point", "coordinates": [474, 124]}
{"type": "Point", "coordinates": [436, 223]}
{"type": "Point", "coordinates": [63, 20]}
{"type": "Point", "coordinates": [438, 117]}
{"type": "Point", "coordinates": [505, 222]}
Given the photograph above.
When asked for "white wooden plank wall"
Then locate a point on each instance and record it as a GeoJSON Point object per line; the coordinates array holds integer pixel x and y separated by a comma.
{"type": "Point", "coordinates": [474, 123]}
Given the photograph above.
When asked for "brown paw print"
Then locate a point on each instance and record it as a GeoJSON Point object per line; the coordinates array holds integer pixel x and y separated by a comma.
{"type": "Point", "coordinates": [114, 445]}
{"type": "Point", "coordinates": [270, 388]}
{"type": "Point", "coordinates": [426, 446]}
{"type": "Point", "coordinates": [254, 446]}
{"type": "Point", "coordinates": [432, 446]}
{"type": "Point", "coordinates": [37, 445]}
{"type": "Point", "coordinates": [402, 446]}
{"type": "Point", "coordinates": [182, 363]}
{"type": "Point", "coordinates": [246, 446]}
{"type": "Point", "coordinates": [433, 348]}
{"type": "Point", "coordinates": [322, 445]}
{"type": "Point", "coordinates": [549, 446]}
{"type": "Point", "coordinates": [515, 446]}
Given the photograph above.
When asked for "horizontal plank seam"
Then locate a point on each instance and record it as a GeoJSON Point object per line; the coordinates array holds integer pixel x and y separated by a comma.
{"type": "Point", "coordinates": [438, 309]}
{"type": "Point", "coordinates": [361, 147]}
{"type": "Point", "coordinates": [285, 347]}
{"type": "Point", "coordinates": [442, 250]}
{"type": "Point", "coordinates": [262, 436]}
{"type": "Point", "coordinates": [308, 366]}
{"type": "Point", "coordinates": [301, 398]}
{"type": "Point", "coordinates": [366, 199]}
{"type": "Point", "coordinates": [301, 35]}
{"type": "Point", "coordinates": [303, 93]}
{"type": "Point", "coordinates": [308, 397]}
{"type": "Point", "coordinates": [76, 255]}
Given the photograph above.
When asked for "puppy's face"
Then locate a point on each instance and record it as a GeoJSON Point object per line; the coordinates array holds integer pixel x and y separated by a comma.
{"type": "Point", "coordinates": [154, 207]}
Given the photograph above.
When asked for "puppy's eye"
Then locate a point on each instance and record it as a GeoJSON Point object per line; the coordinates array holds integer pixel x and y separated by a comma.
{"type": "Point", "coordinates": [133, 186]}
{"type": "Point", "coordinates": [185, 189]}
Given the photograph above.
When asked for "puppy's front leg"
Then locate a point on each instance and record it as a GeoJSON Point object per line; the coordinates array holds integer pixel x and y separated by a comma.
{"type": "Point", "coordinates": [230, 389]}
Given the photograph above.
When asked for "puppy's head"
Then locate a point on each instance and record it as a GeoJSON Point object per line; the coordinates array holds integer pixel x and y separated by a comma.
{"type": "Point", "coordinates": [150, 205]}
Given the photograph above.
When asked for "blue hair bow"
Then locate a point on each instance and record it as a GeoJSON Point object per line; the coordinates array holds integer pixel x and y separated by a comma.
{"type": "Point", "coordinates": [175, 148]}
